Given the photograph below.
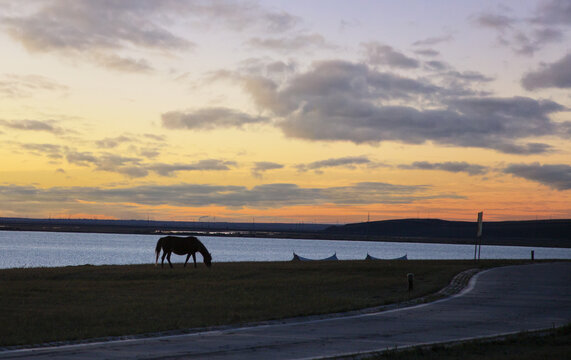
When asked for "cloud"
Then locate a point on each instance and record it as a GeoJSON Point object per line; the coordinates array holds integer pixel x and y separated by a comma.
{"type": "Point", "coordinates": [436, 65]}
{"type": "Point", "coordinates": [50, 150]}
{"type": "Point", "coordinates": [524, 149]}
{"type": "Point", "coordinates": [20, 86]}
{"type": "Point", "coordinates": [427, 52]}
{"type": "Point", "coordinates": [498, 122]}
{"type": "Point", "coordinates": [81, 158]}
{"type": "Point", "coordinates": [208, 119]}
{"type": "Point", "coordinates": [554, 75]}
{"type": "Point", "coordinates": [229, 196]}
{"type": "Point", "coordinates": [145, 145]}
{"type": "Point", "coordinates": [265, 67]}
{"type": "Point", "coordinates": [530, 43]}
{"type": "Point", "coordinates": [103, 33]}
{"type": "Point", "coordinates": [128, 166]}
{"type": "Point", "coordinates": [135, 167]}
{"type": "Point", "coordinates": [458, 83]}
{"type": "Point", "coordinates": [564, 128]}
{"type": "Point", "coordinates": [347, 162]}
{"type": "Point", "coordinates": [262, 166]}
{"type": "Point", "coordinates": [343, 101]}
{"type": "Point", "coordinates": [123, 64]}
{"type": "Point", "coordinates": [335, 80]}
{"type": "Point", "coordinates": [470, 76]}
{"type": "Point", "coordinates": [450, 166]}
{"type": "Point", "coordinates": [121, 164]}
{"type": "Point", "coordinates": [237, 15]}
{"type": "Point", "coordinates": [548, 35]}
{"type": "Point", "coordinates": [202, 165]}
{"type": "Point", "coordinates": [129, 171]}
{"type": "Point", "coordinates": [110, 143]}
{"type": "Point", "coordinates": [288, 44]}
{"type": "Point", "coordinates": [149, 153]}
{"type": "Point", "coordinates": [102, 161]}
{"type": "Point", "coordinates": [514, 109]}
{"type": "Point", "coordinates": [378, 54]}
{"type": "Point", "coordinates": [495, 21]}
{"type": "Point", "coordinates": [82, 25]}
{"type": "Point", "coordinates": [279, 21]}
{"type": "Point", "coordinates": [33, 125]}
{"type": "Point", "coordinates": [433, 40]}
{"type": "Point", "coordinates": [154, 137]}
{"type": "Point", "coordinates": [280, 67]}
{"type": "Point", "coordinates": [525, 36]}
{"type": "Point", "coordinates": [555, 12]}
{"type": "Point", "coordinates": [556, 176]}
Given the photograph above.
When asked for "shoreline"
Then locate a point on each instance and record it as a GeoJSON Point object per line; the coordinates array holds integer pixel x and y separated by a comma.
{"type": "Point", "coordinates": [305, 235]}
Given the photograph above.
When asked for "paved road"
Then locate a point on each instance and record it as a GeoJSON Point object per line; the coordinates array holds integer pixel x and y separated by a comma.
{"type": "Point", "coordinates": [497, 301]}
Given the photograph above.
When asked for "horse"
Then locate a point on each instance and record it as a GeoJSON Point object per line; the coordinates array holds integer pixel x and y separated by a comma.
{"type": "Point", "coordinates": [189, 245]}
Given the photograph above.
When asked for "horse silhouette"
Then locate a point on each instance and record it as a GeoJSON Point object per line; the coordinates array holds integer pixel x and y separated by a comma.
{"type": "Point", "coordinates": [189, 245]}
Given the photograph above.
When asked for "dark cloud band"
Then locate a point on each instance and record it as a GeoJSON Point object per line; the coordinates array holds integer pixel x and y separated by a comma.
{"type": "Point", "coordinates": [450, 166]}
{"type": "Point", "coordinates": [556, 176]}
{"type": "Point", "coordinates": [344, 101]}
{"type": "Point", "coordinates": [191, 195]}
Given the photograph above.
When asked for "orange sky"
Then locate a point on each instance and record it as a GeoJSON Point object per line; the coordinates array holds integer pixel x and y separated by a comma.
{"type": "Point", "coordinates": [273, 111]}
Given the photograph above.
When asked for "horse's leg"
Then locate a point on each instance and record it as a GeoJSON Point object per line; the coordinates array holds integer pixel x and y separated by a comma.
{"type": "Point", "coordinates": [163, 259]}
{"type": "Point", "coordinates": [194, 258]}
{"type": "Point", "coordinates": [187, 257]}
{"type": "Point", "coordinates": [169, 259]}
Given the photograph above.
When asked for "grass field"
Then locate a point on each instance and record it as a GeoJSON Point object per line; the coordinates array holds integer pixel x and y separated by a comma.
{"type": "Point", "coordinates": [80, 302]}
{"type": "Point", "coordinates": [553, 345]}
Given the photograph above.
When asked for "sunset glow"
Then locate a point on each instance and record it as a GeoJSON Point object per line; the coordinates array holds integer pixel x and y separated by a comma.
{"type": "Point", "coordinates": [285, 111]}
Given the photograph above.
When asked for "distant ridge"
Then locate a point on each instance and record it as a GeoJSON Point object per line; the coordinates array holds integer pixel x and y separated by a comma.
{"type": "Point", "coordinates": [493, 232]}
{"type": "Point", "coordinates": [148, 226]}
{"type": "Point", "coordinates": [546, 233]}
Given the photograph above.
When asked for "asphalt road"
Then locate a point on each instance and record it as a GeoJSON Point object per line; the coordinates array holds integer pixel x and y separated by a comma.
{"type": "Point", "coordinates": [498, 301]}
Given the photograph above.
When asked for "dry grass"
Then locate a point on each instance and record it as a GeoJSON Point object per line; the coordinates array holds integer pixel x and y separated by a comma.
{"type": "Point", "coordinates": [70, 303]}
{"type": "Point", "coordinates": [554, 345]}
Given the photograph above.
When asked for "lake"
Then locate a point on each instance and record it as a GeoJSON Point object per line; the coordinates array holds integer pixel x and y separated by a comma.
{"type": "Point", "coordinates": [41, 249]}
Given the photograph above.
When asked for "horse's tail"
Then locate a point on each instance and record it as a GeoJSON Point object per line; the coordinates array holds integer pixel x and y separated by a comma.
{"type": "Point", "coordinates": [158, 250]}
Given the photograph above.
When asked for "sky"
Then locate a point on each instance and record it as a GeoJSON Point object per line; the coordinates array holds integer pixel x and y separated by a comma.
{"type": "Point", "coordinates": [319, 111]}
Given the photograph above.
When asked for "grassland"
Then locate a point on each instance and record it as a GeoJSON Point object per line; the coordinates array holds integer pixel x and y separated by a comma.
{"type": "Point", "coordinates": [555, 344]}
{"type": "Point", "coordinates": [71, 303]}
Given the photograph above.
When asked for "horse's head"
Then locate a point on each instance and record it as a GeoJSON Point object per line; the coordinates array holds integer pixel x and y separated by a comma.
{"type": "Point", "coordinates": [207, 259]}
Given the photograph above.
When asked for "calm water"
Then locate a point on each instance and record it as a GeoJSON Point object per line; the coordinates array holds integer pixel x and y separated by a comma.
{"type": "Point", "coordinates": [37, 249]}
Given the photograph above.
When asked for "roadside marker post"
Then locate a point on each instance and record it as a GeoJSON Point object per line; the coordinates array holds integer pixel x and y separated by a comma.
{"type": "Point", "coordinates": [410, 278]}
{"type": "Point", "coordinates": [478, 244]}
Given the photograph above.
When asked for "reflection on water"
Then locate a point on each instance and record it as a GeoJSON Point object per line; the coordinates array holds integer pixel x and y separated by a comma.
{"type": "Point", "coordinates": [36, 249]}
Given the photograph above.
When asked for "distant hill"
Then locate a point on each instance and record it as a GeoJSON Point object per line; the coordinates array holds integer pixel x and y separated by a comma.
{"type": "Point", "coordinates": [149, 226]}
{"type": "Point", "coordinates": [549, 232]}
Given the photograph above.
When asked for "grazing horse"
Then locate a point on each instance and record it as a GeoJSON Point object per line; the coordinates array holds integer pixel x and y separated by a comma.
{"type": "Point", "coordinates": [189, 245]}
